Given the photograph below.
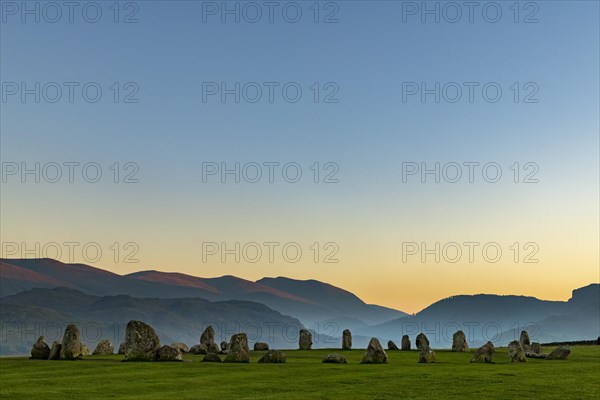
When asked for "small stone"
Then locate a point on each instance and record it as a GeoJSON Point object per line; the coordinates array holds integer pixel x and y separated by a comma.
{"type": "Point", "coordinates": [459, 342]}
{"type": "Point", "coordinates": [85, 351]}
{"type": "Point", "coordinates": [181, 346]}
{"type": "Point", "coordinates": [238, 349]}
{"type": "Point", "coordinates": [121, 348]}
{"type": "Point", "coordinates": [104, 348]}
{"type": "Point", "coordinates": [169, 353]}
{"type": "Point", "coordinates": [560, 353]}
{"type": "Point", "coordinates": [426, 355]}
{"type": "Point", "coordinates": [273, 357]}
{"type": "Point", "coordinates": [335, 358]}
{"type": "Point", "coordinates": [260, 346]}
{"type": "Point", "coordinates": [55, 351]}
{"type": "Point", "coordinates": [524, 339]}
{"type": "Point", "coordinates": [199, 349]}
{"type": "Point", "coordinates": [536, 348]}
{"type": "Point", "coordinates": [484, 354]}
{"type": "Point", "coordinates": [40, 350]}
{"type": "Point", "coordinates": [211, 357]}
{"type": "Point", "coordinates": [392, 345]}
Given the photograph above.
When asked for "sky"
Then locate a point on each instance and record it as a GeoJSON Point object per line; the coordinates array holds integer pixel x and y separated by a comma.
{"type": "Point", "coordinates": [405, 151]}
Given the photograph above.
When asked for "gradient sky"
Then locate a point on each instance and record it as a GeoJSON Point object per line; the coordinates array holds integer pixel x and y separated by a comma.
{"type": "Point", "coordinates": [369, 133]}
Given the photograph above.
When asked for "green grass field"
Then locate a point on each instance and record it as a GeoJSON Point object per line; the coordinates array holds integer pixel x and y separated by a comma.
{"type": "Point", "coordinates": [305, 377]}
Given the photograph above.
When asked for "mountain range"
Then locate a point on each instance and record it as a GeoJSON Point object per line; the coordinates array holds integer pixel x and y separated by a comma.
{"type": "Point", "coordinates": [43, 295]}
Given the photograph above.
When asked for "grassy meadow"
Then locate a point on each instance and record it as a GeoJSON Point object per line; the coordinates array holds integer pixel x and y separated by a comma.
{"type": "Point", "coordinates": [305, 377]}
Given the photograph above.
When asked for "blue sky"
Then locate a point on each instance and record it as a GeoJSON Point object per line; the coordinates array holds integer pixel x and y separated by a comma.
{"type": "Point", "coordinates": [368, 133]}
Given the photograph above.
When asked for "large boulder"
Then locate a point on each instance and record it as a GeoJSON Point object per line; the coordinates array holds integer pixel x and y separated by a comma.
{"type": "Point", "coordinates": [335, 358]}
{"type": "Point", "coordinates": [141, 342]}
{"type": "Point", "coordinates": [305, 340]}
{"type": "Point", "coordinates": [524, 339]}
{"type": "Point", "coordinates": [516, 352]}
{"type": "Point", "coordinates": [169, 353]}
{"type": "Point", "coordinates": [208, 336]}
{"type": "Point", "coordinates": [346, 340]}
{"type": "Point", "coordinates": [181, 346]}
{"type": "Point", "coordinates": [405, 343]}
{"type": "Point", "coordinates": [375, 353]}
{"type": "Point", "coordinates": [392, 345]}
{"type": "Point", "coordinates": [71, 343]}
{"type": "Point", "coordinates": [199, 349]}
{"type": "Point", "coordinates": [261, 346]}
{"type": "Point", "coordinates": [211, 357]}
{"type": "Point", "coordinates": [40, 350]}
{"type": "Point", "coordinates": [238, 349]}
{"type": "Point", "coordinates": [421, 341]}
{"type": "Point", "coordinates": [484, 353]}
{"type": "Point", "coordinates": [459, 342]}
{"type": "Point", "coordinates": [560, 353]}
{"type": "Point", "coordinates": [426, 355]}
{"type": "Point", "coordinates": [54, 351]}
{"type": "Point", "coordinates": [104, 348]}
{"type": "Point", "coordinates": [273, 357]}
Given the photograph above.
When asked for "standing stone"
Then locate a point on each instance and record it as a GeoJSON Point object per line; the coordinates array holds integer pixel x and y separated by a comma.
{"type": "Point", "coordinates": [273, 357]}
{"type": "Point", "coordinates": [199, 349]}
{"type": "Point", "coordinates": [524, 339]}
{"type": "Point", "coordinates": [211, 357]}
{"type": "Point", "coordinates": [405, 343]}
{"type": "Point", "coordinates": [536, 348]}
{"type": "Point", "coordinates": [121, 348]}
{"type": "Point", "coordinates": [516, 352]}
{"type": "Point", "coordinates": [104, 348]}
{"type": "Point", "coordinates": [224, 347]}
{"type": "Point", "coordinates": [484, 354]}
{"type": "Point", "coordinates": [55, 351]}
{"type": "Point", "coordinates": [421, 341]}
{"type": "Point", "coordinates": [141, 342]}
{"type": "Point", "coordinates": [181, 346]}
{"type": "Point", "coordinates": [335, 359]}
{"type": "Point", "coordinates": [426, 355]}
{"type": "Point", "coordinates": [71, 343]}
{"type": "Point", "coordinates": [40, 350]}
{"type": "Point", "coordinates": [346, 340]}
{"type": "Point", "coordinates": [238, 349]}
{"type": "Point", "coordinates": [305, 340]}
{"type": "Point", "coordinates": [84, 350]}
{"type": "Point", "coordinates": [392, 345]}
{"type": "Point", "coordinates": [208, 336]}
{"type": "Point", "coordinates": [375, 353]}
{"type": "Point", "coordinates": [169, 353]}
{"type": "Point", "coordinates": [459, 342]}
{"type": "Point", "coordinates": [260, 346]}
{"type": "Point", "coordinates": [560, 353]}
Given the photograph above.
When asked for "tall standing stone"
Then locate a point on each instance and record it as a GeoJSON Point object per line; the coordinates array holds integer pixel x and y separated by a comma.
{"type": "Point", "coordinates": [484, 354]}
{"type": "Point", "coordinates": [55, 351]}
{"type": "Point", "coordinates": [208, 336]}
{"type": "Point", "coordinates": [421, 341]}
{"type": "Point", "coordinates": [71, 343]}
{"type": "Point", "coordinates": [141, 342]}
{"type": "Point", "coordinates": [459, 342]}
{"type": "Point", "coordinates": [40, 350]}
{"type": "Point", "coordinates": [524, 339]}
{"type": "Point", "coordinates": [346, 340]}
{"type": "Point", "coordinates": [516, 352]}
{"type": "Point", "coordinates": [375, 353]}
{"type": "Point", "coordinates": [305, 340]}
{"type": "Point", "coordinates": [238, 349]}
{"type": "Point", "coordinates": [405, 343]}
